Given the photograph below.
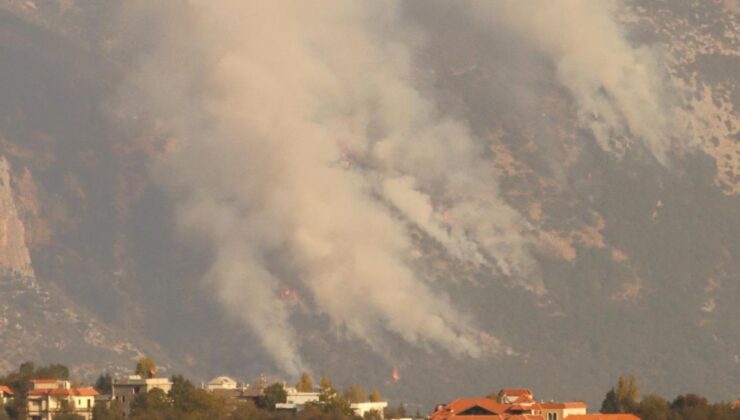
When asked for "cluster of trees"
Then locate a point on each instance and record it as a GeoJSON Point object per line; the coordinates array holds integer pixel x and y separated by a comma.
{"type": "Point", "coordinates": [625, 398]}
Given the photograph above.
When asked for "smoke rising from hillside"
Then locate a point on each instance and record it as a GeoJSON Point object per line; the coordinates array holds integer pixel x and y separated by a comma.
{"type": "Point", "coordinates": [305, 156]}
{"type": "Point", "coordinates": [619, 88]}
{"type": "Point", "coordinates": [301, 146]}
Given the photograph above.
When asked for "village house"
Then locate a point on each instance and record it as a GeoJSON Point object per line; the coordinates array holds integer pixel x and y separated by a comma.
{"type": "Point", "coordinates": [360, 409]}
{"type": "Point", "coordinates": [512, 404]}
{"type": "Point", "coordinates": [6, 394]}
{"type": "Point", "coordinates": [296, 400]}
{"type": "Point", "coordinates": [559, 411]}
{"type": "Point", "coordinates": [49, 397]}
{"type": "Point", "coordinates": [125, 390]}
{"type": "Point", "coordinates": [221, 383]}
{"type": "Point", "coordinates": [228, 388]}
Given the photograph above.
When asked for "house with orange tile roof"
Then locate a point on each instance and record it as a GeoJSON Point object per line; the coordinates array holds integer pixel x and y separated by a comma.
{"type": "Point", "coordinates": [509, 404]}
{"type": "Point", "coordinates": [5, 394]}
{"type": "Point", "coordinates": [48, 397]}
{"type": "Point", "coordinates": [482, 409]}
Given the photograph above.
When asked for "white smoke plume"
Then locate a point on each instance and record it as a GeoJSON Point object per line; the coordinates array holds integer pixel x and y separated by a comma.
{"type": "Point", "coordinates": [619, 89]}
{"type": "Point", "coordinates": [299, 138]}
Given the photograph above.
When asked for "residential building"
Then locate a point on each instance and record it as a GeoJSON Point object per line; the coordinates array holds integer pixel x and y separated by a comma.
{"type": "Point", "coordinates": [125, 390]}
{"type": "Point", "coordinates": [360, 409]}
{"type": "Point", "coordinates": [5, 394]}
{"type": "Point", "coordinates": [482, 409]}
{"type": "Point", "coordinates": [559, 411]}
{"type": "Point", "coordinates": [48, 397]}
{"type": "Point", "coordinates": [510, 404]}
{"type": "Point", "coordinates": [296, 400]}
{"type": "Point", "coordinates": [221, 382]}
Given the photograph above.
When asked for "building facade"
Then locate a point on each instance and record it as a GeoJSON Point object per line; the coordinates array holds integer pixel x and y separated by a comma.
{"type": "Point", "coordinates": [49, 397]}
{"type": "Point", "coordinates": [125, 390]}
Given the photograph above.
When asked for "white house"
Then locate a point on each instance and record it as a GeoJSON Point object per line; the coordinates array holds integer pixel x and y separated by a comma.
{"type": "Point", "coordinates": [360, 409]}
{"type": "Point", "coordinates": [296, 400]}
{"type": "Point", "coordinates": [221, 382]}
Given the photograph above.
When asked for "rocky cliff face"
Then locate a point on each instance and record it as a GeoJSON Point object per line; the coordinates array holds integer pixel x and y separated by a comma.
{"type": "Point", "coordinates": [14, 254]}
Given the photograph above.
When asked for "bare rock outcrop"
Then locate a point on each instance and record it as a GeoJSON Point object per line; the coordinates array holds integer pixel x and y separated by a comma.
{"type": "Point", "coordinates": [14, 254]}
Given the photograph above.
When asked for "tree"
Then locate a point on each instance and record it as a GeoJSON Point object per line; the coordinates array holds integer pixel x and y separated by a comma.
{"type": "Point", "coordinates": [338, 406]}
{"type": "Point", "coordinates": [623, 399]}
{"type": "Point", "coordinates": [152, 405]}
{"type": "Point", "coordinates": [325, 383]}
{"type": "Point", "coordinates": [114, 412]}
{"type": "Point", "coordinates": [274, 394]}
{"type": "Point", "coordinates": [355, 394]}
{"type": "Point", "coordinates": [104, 383]}
{"type": "Point", "coordinates": [146, 368]}
{"type": "Point", "coordinates": [53, 371]}
{"type": "Point", "coordinates": [610, 404]}
{"type": "Point", "coordinates": [627, 394]}
{"type": "Point", "coordinates": [247, 410]}
{"type": "Point", "coordinates": [191, 402]}
{"type": "Point", "coordinates": [305, 384]}
{"type": "Point", "coordinates": [690, 407]}
{"type": "Point", "coordinates": [3, 413]}
{"type": "Point", "coordinates": [653, 407]}
{"type": "Point", "coordinates": [375, 396]}
{"type": "Point", "coordinates": [326, 390]}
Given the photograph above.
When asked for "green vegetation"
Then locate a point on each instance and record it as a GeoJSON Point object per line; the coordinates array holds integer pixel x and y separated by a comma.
{"type": "Point", "coordinates": [146, 368]}
{"type": "Point", "coordinates": [624, 398]}
{"type": "Point", "coordinates": [104, 384]}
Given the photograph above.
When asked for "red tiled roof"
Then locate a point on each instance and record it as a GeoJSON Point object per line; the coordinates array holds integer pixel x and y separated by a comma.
{"type": "Point", "coordinates": [61, 392]}
{"type": "Point", "coordinates": [498, 411]}
{"type": "Point", "coordinates": [603, 417]}
{"type": "Point", "coordinates": [5, 389]}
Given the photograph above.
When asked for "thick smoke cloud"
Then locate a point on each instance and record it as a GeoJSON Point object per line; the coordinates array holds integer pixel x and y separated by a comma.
{"type": "Point", "coordinates": [301, 146]}
{"type": "Point", "coordinates": [305, 156]}
{"type": "Point", "coordinates": [619, 88]}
